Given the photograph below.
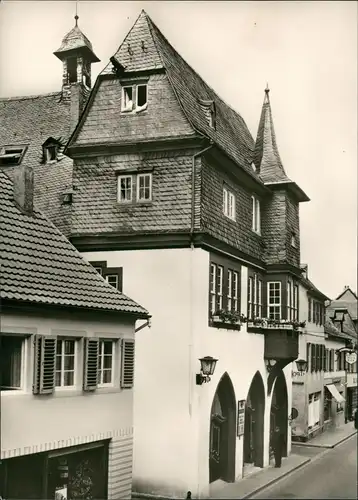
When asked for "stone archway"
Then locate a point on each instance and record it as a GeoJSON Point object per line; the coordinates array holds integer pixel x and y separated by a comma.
{"type": "Point", "coordinates": [254, 423]}
{"type": "Point", "coordinates": [279, 409]}
{"type": "Point", "coordinates": [223, 432]}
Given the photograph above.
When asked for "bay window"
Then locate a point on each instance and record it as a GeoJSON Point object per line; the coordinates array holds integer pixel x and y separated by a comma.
{"type": "Point", "coordinates": [224, 287]}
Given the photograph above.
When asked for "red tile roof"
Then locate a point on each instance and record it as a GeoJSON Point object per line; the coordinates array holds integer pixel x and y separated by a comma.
{"type": "Point", "coordinates": [39, 265]}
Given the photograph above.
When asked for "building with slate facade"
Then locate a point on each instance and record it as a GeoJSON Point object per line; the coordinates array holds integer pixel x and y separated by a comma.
{"type": "Point", "coordinates": [67, 336]}
{"type": "Point", "coordinates": [162, 188]}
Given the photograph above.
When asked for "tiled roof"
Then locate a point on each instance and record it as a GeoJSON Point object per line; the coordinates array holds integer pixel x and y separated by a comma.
{"type": "Point", "coordinates": [30, 120]}
{"type": "Point", "coordinates": [75, 39]}
{"type": "Point", "coordinates": [231, 133]}
{"type": "Point", "coordinates": [312, 288]}
{"type": "Point", "coordinates": [39, 265]}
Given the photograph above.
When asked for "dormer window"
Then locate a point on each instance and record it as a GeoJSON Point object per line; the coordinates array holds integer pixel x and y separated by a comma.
{"type": "Point", "coordinates": [50, 150]}
{"type": "Point", "coordinates": [11, 155]}
{"type": "Point", "coordinates": [134, 98]}
{"type": "Point", "coordinates": [209, 110]}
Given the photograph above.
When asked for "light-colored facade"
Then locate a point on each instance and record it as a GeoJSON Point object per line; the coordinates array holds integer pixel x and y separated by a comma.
{"type": "Point", "coordinates": [69, 420]}
{"type": "Point", "coordinates": [171, 412]}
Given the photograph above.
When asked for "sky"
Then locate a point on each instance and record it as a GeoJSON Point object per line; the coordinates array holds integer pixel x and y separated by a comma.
{"type": "Point", "coordinates": [305, 51]}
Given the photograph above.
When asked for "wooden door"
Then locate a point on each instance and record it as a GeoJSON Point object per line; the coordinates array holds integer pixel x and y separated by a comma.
{"type": "Point", "coordinates": [218, 447]}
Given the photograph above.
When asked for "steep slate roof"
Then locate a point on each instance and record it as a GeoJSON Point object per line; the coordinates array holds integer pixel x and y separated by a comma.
{"type": "Point", "coordinates": [351, 307]}
{"type": "Point", "coordinates": [350, 295]}
{"type": "Point", "coordinates": [330, 329]}
{"type": "Point", "coordinates": [39, 265]}
{"type": "Point", "coordinates": [30, 121]}
{"type": "Point", "coordinates": [231, 133]}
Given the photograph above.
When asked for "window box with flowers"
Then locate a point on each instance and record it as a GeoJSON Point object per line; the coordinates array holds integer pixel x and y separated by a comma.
{"type": "Point", "coordinates": [227, 319]}
{"type": "Point", "coordinates": [276, 324]}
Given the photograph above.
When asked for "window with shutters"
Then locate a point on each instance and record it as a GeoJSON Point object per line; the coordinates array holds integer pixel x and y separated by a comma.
{"type": "Point", "coordinates": [308, 357]}
{"type": "Point", "coordinates": [113, 275]}
{"type": "Point", "coordinates": [310, 310]}
{"type": "Point", "coordinates": [11, 362]}
{"type": "Point", "coordinates": [65, 363]}
{"type": "Point", "coordinates": [90, 375]}
{"type": "Point", "coordinates": [105, 362]}
{"type": "Point", "coordinates": [324, 359]}
{"type": "Point", "coordinates": [44, 364]}
{"type": "Point", "coordinates": [127, 364]}
{"type": "Point", "coordinates": [313, 357]}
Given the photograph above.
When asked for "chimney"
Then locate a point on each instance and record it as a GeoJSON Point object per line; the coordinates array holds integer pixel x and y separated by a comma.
{"type": "Point", "coordinates": [24, 189]}
{"type": "Point", "coordinates": [304, 270]}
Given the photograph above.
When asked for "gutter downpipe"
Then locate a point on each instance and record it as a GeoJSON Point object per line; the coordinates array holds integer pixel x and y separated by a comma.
{"type": "Point", "coordinates": [191, 360]}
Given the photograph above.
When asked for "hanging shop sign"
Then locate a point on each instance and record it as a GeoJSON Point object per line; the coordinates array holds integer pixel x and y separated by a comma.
{"type": "Point", "coordinates": [241, 417]}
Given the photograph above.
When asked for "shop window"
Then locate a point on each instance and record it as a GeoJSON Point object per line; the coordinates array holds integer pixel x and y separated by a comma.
{"type": "Point", "coordinates": [327, 405]}
{"type": "Point", "coordinates": [11, 355]}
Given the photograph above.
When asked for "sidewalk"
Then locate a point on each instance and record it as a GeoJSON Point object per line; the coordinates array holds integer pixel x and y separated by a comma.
{"type": "Point", "coordinates": [329, 438]}
{"type": "Point", "coordinates": [257, 481]}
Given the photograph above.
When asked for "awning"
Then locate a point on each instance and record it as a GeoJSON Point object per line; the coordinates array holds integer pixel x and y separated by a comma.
{"type": "Point", "coordinates": [334, 391]}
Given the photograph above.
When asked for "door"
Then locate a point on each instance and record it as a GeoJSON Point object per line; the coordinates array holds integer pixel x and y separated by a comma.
{"type": "Point", "coordinates": [217, 447]}
{"type": "Point", "coordinates": [249, 442]}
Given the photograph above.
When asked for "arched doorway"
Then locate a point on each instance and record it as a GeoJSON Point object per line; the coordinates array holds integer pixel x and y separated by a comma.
{"type": "Point", "coordinates": [223, 432]}
{"type": "Point", "coordinates": [279, 410]}
{"type": "Point", "coordinates": [254, 423]}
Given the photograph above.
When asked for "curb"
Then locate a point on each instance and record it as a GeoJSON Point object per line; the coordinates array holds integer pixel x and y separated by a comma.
{"type": "Point", "coordinates": [329, 446]}
{"type": "Point", "coordinates": [276, 479]}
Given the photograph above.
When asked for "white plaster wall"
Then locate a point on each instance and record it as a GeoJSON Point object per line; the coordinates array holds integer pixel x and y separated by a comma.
{"type": "Point", "coordinates": [33, 423]}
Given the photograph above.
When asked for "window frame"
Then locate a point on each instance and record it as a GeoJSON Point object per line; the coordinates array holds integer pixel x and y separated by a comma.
{"type": "Point", "coordinates": [144, 106]}
{"type": "Point", "coordinates": [126, 109]}
{"type": "Point", "coordinates": [101, 354]}
{"type": "Point", "coordinates": [119, 199]}
{"type": "Point", "coordinates": [229, 203]}
{"type": "Point", "coordinates": [144, 175]}
{"type": "Point", "coordinates": [272, 304]}
{"type": "Point", "coordinates": [23, 364]}
{"type": "Point", "coordinates": [75, 365]}
{"type": "Point", "coordinates": [8, 150]}
{"type": "Point", "coordinates": [256, 214]}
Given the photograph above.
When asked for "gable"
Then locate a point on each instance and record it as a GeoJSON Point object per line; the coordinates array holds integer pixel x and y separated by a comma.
{"type": "Point", "coordinates": [348, 296]}
{"type": "Point", "coordinates": [104, 122]}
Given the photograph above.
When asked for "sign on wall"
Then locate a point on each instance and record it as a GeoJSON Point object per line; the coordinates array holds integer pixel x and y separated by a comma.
{"type": "Point", "coordinates": [241, 417]}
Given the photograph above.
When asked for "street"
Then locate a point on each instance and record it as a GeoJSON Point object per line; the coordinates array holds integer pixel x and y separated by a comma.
{"type": "Point", "coordinates": [333, 475]}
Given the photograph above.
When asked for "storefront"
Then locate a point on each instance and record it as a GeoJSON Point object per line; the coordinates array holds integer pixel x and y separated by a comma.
{"type": "Point", "coordinates": [352, 395]}
{"type": "Point", "coordinates": [65, 474]}
{"type": "Point", "coordinates": [334, 403]}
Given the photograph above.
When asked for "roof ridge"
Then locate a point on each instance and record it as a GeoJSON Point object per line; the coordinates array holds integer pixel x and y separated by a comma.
{"type": "Point", "coordinates": [194, 71]}
{"type": "Point", "coordinates": [34, 96]}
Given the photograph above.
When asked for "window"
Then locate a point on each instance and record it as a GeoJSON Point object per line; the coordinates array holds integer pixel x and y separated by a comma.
{"type": "Point", "coordinates": [293, 240]}
{"type": "Point", "coordinates": [11, 351]}
{"type": "Point", "coordinates": [141, 97]}
{"type": "Point", "coordinates": [274, 299]}
{"type": "Point", "coordinates": [308, 358]}
{"type": "Point", "coordinates": [256, 216]}
{"type": "Point", "coordinates": [72, 70]}
{"type": "Point", "coordinates": [11, 155]}
{"type": "Point", "coordinates": [309, 309]}
{"type": "Point", "coordinates": [314, 405]}
{"type": "Point", "coordinates": [134, 98]}
{"type": "Point", "coordinates": [125, 188]}
{"type": "Point", "coordinates": [232, 291]}
{"type": "Point", "coordinates": [229, 204]}
{"type": "Point", "coordinates": [219, 287]}
{"type": "Point", "coordinates": [250, 298]}
{"type": "Point", "coordinates": [112, 280]}
{"type": "Point", "coordinates": [212, 288]}
{"type": "Point", "coordinates": [259, 299]}
{"type": "Point", "coordinates": [51, 152]}
{"type": "Point", "coordinates": [127, 99]}
{"type": "Point", "coordinates": [144, 187]}
{"type": "Point", "coordinates": [295, 303]}
{"type": "Point", "coordinates": [105, 362]}
{"type": "Point", "coordinates": [65, 363]}
{"type": "Point", "coordinates": [289, 300]}
{"type": "Point", "coordinates": [292, 301]}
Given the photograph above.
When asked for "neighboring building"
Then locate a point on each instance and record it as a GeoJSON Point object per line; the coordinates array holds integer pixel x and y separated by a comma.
{"type": "Point", "coordinates": [308, 386]}
{"type": "Point", "coordinates": [67, 362]}
{"type": "Point", "coordinates": [171, 185]}
{"type": "Point", "coordinates": [347, 300]}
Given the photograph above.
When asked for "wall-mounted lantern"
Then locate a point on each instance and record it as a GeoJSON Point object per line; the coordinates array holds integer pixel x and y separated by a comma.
{"type": "Point", "coordinates": [301, 365]}
{"type": "Point", "coordinates": [270, 363]}
{"type": "Point", "coordinates": [208, 365]}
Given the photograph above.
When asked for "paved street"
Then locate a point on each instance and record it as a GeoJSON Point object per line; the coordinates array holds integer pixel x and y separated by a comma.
{"type": "Point", "coordinates": [332, 475]}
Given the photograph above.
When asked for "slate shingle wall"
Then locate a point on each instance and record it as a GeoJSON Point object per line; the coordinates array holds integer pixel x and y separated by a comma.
{"type": "Point", "coordinates": [95, 207]}
{"type": "Point", "coordinates": [280, 219]}
{"type": "Point", "coordinates": [236, 233]}
{"type": "Point", "coordinates": [106, 123]}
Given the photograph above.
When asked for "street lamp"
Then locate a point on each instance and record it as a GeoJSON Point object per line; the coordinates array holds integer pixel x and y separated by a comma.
{"type": "Point", "coordinates": [207, 368]}
{"type": "Point", "coordinates": [270, 363]}
{"type": "Point", "coordinates": [301, 365]}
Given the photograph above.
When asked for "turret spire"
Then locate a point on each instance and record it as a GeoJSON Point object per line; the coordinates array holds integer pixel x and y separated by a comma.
{"type": "Point", "coordinates": [267, 157]}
